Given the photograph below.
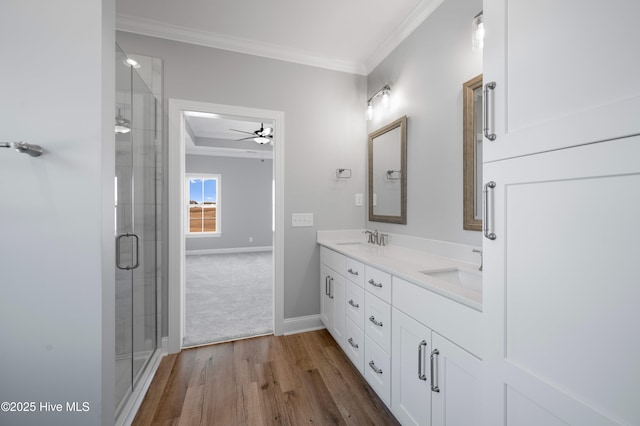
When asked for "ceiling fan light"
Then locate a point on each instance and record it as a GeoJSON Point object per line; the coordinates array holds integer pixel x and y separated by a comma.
{"type": "Point", "coordinates": [262, 140]}
{"type": "Point", "coordinates": [122, 124]}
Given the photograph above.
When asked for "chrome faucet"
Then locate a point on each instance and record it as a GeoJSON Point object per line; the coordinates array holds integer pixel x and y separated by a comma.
{"type": "Point", "coordinates": [376, 237]}
{"type": "Point", "coordinates": [481, 260]}
{"type": "Point", "coordinates": [370, 235]}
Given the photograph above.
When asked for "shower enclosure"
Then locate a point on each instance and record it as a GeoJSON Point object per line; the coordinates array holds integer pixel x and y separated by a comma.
{"type": "Point", "coordinates": [135, 229]}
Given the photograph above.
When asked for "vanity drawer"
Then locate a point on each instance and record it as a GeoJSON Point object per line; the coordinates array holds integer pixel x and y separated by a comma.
{"type": "Point", "coordinates": [378, 283]}
{"type": "Point", "coordinates": [354, 298]}
{"type": "Point", "coordinates": [354, 344]}
{"type": "Point", "coordinates": [377, 370]}
{"type": "Point", "coordinates": [377, 321]}
{"type": "Point", "coordinates": [354, 271]}
{"type": "Point", "coordinates": [332, 259]}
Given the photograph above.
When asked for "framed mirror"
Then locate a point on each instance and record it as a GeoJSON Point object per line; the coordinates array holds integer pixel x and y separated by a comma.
{"type": "Point", "coordinates": [472, 153]}
{"type": "Point", "coordinates": [388, 173]}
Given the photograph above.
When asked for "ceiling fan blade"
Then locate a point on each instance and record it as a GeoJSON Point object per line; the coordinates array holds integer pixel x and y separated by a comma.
{"type": "Point", "coordinates": [267, 131]}
{"type": "Point", "coordinates": [244, 139]}
{"type": "Point", "coordinates": [242, 131]}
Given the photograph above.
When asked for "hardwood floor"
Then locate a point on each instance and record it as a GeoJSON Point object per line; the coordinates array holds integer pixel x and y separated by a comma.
{"type": "Point", "coordinates": [271, 380]}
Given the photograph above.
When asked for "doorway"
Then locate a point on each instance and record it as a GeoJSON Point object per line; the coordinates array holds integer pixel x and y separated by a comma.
{"type": "Point", "coordinates": [179, 135]}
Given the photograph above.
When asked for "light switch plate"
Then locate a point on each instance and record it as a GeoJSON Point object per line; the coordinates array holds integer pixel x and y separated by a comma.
{"type": "Point", "coordinates": [359, 200]}
{"type": "Point", "coordinates": [301, 219]}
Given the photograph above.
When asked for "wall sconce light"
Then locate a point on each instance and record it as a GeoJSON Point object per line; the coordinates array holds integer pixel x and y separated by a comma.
{"type": "Point", "coordinates": [385, 93]}
{"type": "Point", "coordinates": [477, 32]}
{"type": "Point", "coordinates": [122, 124]}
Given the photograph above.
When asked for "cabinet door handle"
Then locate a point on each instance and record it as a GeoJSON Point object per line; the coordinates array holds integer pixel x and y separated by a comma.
{"type": "Point", "coordinates": [486, 220]}
{"type": "Point", "coordinates": [350, 340]}
{"type": "Point", "coordinates": [374, 368]}
{"type": "Point", "coordinates": [352, 272]}
{"type": "Point", "coordinates": [421, 360]}
{"type": "Point", "coordinates": [434, 371]}
{"type": "Point", "coordinates": [352, 303]}
{"type": "Point", "coordinates": [488, 118]}
{"type": "Point", "coordinates": [373, 320]}
{"type": "Point", "coordinates": [326, 285]}
{"type": "Point", "coordinates": [330, 287]}
{"type": "Point", "coordinates": [375, 284]}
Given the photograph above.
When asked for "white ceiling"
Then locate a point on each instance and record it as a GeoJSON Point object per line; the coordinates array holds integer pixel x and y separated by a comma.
{"type": "Point", "coordinates": [346, 35]}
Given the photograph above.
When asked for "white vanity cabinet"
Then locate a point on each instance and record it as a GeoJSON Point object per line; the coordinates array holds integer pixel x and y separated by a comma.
{"type": "Point", "coordinates": [411, 382]}
{"type": "Point", "coordinates": [564, 74]}
{"type": "Point", "coordinates": [562, 303]}
{"type": "Point", "coordinates": [332, 294]}
{"type": "Point", "coordinates": [434, 381]}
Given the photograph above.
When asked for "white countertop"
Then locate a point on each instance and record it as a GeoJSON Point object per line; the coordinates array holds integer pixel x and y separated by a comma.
{"type": "Point", "coordinates": [408, 264]}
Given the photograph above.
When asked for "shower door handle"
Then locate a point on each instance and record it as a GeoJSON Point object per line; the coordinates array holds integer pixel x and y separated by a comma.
{"type": "Point", "coordinates": [137, 251]}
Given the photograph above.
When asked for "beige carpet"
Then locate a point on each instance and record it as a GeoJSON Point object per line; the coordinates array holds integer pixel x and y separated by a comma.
{"type": "Point", "coordinates": [228, 296]}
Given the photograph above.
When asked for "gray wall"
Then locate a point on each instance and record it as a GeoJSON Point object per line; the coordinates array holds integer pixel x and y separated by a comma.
{"type": "Point", "coordinates": [57, 309]}
{"type": "Point", "coordinates": [426, 73]}
{"type": "Point", "coordinates": [325, 129]}
{"type": "Point", "coordinates": [245, 201]}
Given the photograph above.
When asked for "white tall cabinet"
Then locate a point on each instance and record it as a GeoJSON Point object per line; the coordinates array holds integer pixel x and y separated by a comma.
{"type": "Point", "coordinates": [561, 293]}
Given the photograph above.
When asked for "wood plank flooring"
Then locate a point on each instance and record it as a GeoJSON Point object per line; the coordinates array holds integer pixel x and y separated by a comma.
{"type": "Point", "coordinates": [271, 380]}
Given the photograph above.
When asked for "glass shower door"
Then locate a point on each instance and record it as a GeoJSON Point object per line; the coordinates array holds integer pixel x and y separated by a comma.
{"type": "Point", "coordinates": [135, 227]}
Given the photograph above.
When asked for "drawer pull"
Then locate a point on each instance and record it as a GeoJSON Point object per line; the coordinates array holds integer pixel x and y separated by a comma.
{"type": "Point", "coordinates": [331, 288]}
{"type": "Point", "coordinates": [355, 345]}
{"type": "Point", "coordinates": [373, 320]}
{"type": "Point", "coordinates": [374, 368]}
{"type": "Point", "coordinates": [375, 284]}
{"type": "Point", "coordinates": [354, 304]}
{"type": "Point", "coordinates": [352, 272]}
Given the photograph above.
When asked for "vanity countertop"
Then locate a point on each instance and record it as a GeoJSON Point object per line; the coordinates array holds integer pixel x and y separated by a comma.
{"type": "Point", "coordinates": [411, 265]}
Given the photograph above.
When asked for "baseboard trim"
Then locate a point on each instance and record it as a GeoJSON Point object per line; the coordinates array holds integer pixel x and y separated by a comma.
{"type": "Point", "coordinates": [302, 324]}
{"type": "Point", "coordinates": [228, 250]}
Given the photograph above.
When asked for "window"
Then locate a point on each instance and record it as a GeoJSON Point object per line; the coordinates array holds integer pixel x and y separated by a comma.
{"type": "Point", "coordinates": [203, 205]}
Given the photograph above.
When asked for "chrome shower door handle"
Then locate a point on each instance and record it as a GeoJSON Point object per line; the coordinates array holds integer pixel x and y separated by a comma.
{"type": "Point", "coordinates": [488, 119]}
{"type": "Point", "coordinates": [487, 220]}
{"type": "Point", "coordinates": [119, 253]}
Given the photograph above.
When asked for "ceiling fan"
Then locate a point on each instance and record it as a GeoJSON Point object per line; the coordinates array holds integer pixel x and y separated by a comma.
{"type": "Point", "coordinates": [262, 136]}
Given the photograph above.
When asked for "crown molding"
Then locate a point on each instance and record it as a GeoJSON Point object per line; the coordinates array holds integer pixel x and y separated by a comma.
{"type": "Point", "coordinates": [406, 27]}
{"type": "Point", "coordinates": [168, 31]}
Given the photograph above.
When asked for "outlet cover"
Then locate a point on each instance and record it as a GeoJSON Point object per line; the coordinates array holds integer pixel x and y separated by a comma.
{"type": "Point", "coordinates": [301, 219]}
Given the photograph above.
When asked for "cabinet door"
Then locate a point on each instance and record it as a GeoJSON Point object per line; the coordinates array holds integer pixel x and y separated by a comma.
{"type": "Point", "coordinates": [410, 381]}
{"type": "Point", "coordinates": [561, 293]}
{"type": "Point", "coordinates": [326, 302]}
{"type": "Point", "coordinates": [565, 74]}
{"type": "Point", "coordinates": [455, 398]}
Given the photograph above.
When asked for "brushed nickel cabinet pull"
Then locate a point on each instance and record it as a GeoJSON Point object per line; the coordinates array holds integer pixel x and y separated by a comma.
{"type": "Point", "coordinates": [421, 375]}
{"type": "Point", "coordinates": [486, 220]}
{"type": "Point", "coordinates": [373, 320]}
{"type": "Point", "coordinates": [330, 287]}
{"type": "Point", "coordinates": [488, 119]}
{"type": "Point", "coordinates": [350, 340]}
{"type": "Point", "coordinates": [352, 303]}
{"type": "Point", "coordinates": [374, 368]}
{"type": "Point", "coordinates": [375, 284]}
{"type": "Point", "coordinates": [434, 371]}
{"type": "Point", "coordinates": [352, 272]}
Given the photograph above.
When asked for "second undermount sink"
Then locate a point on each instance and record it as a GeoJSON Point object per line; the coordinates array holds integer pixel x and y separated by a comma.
{"type": "Point", "coordinates": [466, 278]}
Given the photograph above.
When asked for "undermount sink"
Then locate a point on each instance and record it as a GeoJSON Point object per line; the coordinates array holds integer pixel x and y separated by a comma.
{"type": "Point", "coordinates": [466, 278]}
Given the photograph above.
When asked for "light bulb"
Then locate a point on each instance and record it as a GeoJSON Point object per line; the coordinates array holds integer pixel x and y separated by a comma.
{"type": "Point", "coordinates": [477, 34]}
{"type": "Point", "coordinates": [385, 99]}
{"type": "Point", "coordinates": [369, 111]}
